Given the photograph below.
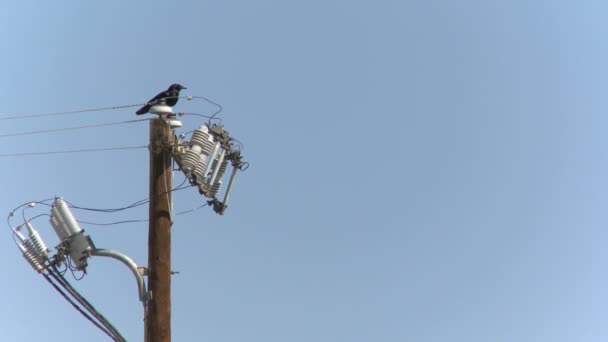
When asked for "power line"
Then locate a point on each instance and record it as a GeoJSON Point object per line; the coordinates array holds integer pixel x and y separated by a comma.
{"type": "Point", "coordinates": [100, 109]}
{"type": "Point", "coordinates": [220, 108]}
{"type": "Point", "coordinates": [111, 223]}
{"type": "Point", "coordinates": [77, 307]}
{"type": "Point", "coordinates": [30, 116]}
{"type": "Point", "coordinates": [136, 221]}
{"type": "Point", "coordinates": [71, 128]}
{"type": "Point", "coordinates": [71, 151]}
{"type": "Point", "coordinates": [111, 330]}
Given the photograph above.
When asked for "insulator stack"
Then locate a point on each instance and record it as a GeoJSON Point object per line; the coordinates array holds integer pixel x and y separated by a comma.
{"type": "Point", "coordinates": [37, 242]}
{"type": "Point", "coordinates": [222, 169]}
{"type": "Point", "coordinates": [198, 171]}
{"type": "Point", "coordinates": [215, 189]}
{"type": "Point", "coordinates": [201, 146]}
{"type": "Point", "coordinates": [29, 253]}
{"type": "Point", "coordinates": [65, 222]}
{"type": "Point", "coordinates": [58, 226]}
{"type": "Point", "coordinates": [70, 233]}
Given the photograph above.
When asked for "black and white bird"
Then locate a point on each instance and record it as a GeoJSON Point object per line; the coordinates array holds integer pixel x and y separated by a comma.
{"type": "Point", "coordinates": [168, 97]}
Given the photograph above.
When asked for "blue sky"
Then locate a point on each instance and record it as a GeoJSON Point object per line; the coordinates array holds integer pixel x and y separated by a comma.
{"type": "Point", "coordinates": [420, 170]}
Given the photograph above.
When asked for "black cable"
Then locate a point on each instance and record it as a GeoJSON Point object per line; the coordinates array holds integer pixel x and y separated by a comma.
{"type": "Point", "coordinates": [191, 210]}
{"type": "Point", "coordinates": [99, 109]}
{"type": "Point", "coordinates": [18, 117]}
{"type": "Point", "coordinates": [12, 212]}
{"type": "Point", "coordinates": [131, 206]}
{"type": "Point", "coordinates": [71, 151]}
{"type": "Point", "coordinates": [113, 210]}
{"type": "Point", "coordinates": [66, 285]}
{"type": "Point", "coordinates": [37, 216]}
{"type": "Point", "coordinates": [84, 273]}
{"type": "Point", "coordinates": [112, 223]}
{"type": "Point", "coordinates": [71, 128]}
{"type": "Point", "coordinates": [213, 103]}
{"type": "Point", "coordinates": [242, 146]}
{"type": "Point", "coordinates": [78, 308]}
{"type": "Point", "coordinates": [219, 120]}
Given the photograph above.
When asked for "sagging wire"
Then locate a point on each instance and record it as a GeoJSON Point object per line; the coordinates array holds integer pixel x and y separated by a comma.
{"type": "Point", "coordinates": [72, 128]}
{"type": "Point", "coordinates": [210, 117]}
{"type": "Point", "coordinates": [26, 154]}
{"type": "Point", "coordinates": [219, 107]}
{"type": "Point", "coordinates": [109, 328]}
{"type": "Point", "coordinates": [78, 308]}
{"type": "Point", "coordinates": [141, 202]}
{"type": "Point", "coordinates": [191, 210]}
{"type": "Point", "coordinates": [99, 109]}
{"type": "Point", "coordinates": [111, 223]}
{"type": "Point", "coordinates": [130, 206]}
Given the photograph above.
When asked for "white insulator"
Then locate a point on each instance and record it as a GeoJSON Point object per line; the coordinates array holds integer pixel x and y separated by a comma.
{"type": "Point", "coordinates": [202, 139]}
{"type": "Point", "coordinates": [66, 217]}
{"type": "Point", "coordinates": [200, 136]}
{"type": "Point", "coordinates": [27, 250]}
{"type": "Point", "coordinates": [37, 241]}
{"type": "Point", "coordinates": [199, 169]}
{"type": "Point", "coordinates": [222, 170]}
{"type": "Point", "coordinates": [160, 109]}
{"type": "Point", "coordinates": [216, 188]}
{"type": "Point", "coordinates": [190, 159]}
{"type": "Point", "coordinates": [200, 147]}
{"type": "Point", "coordinates": [58, 225]}
{"type": "Point", "coordinates": [209, 146]}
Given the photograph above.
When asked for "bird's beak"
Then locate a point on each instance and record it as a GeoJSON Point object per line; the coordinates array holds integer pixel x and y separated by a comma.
{"type": "Point", "coordinates": [184, 87]}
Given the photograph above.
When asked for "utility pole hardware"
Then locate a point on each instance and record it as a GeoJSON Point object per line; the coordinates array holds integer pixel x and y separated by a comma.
{"type": "Point", "coordinates": [204, 158]}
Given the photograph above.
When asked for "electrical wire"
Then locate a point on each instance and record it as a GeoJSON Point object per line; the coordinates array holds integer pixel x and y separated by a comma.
{"type": "Point", "coordinates": [136, 204]}
{"type": "Point", "coordinates": [191, 210]}
{"type": "Point", "coordinates": [78, 308]}
{"type": "Point", "coordinates": [37, 216]}
{"type": "Point", "coordinates": [12, 212]}
{"type": "Point", "coordinates": [99, 109]}
{"type": "Point", "coordinates": [213, 103]}
{"type": "Point", "coordinates": [111, 223]}
{"type": "Point", "coordinates": [210, 117]}
{"type": "Point", "coordinates": [72, 128]}
{"type": "Point", "coordinates": [138, 221]}
{"type": "Point", "coordinates": [90, 308]}
{"type": "Point", "coordinates": [71, 151]}
{"type": "Point", "coordinates": [130, 206]}
{"type": "Point", "coordinates": [30, 116]}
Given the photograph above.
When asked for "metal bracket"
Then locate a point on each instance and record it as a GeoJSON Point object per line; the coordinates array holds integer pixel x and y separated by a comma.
{"type": "Point", "coordinates": [141, 287]}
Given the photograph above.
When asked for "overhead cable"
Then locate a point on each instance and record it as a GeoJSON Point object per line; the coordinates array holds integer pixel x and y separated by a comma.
{"type": "Point", "coordinates": [71, 151]}
{"type": "Point", "coordinates": [71, 128]}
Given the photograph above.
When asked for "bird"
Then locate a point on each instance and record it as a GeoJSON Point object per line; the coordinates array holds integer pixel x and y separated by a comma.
{"type": "Point", "coordinates": [168, 97]}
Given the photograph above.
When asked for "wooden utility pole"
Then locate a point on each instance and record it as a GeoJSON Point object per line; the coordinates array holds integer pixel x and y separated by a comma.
{"type": "Point", "coordinates": [158, 316]}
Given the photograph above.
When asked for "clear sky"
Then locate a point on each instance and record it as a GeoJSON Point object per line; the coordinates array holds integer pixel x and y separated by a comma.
{"type": "Point", "coordinates": [422, 171]}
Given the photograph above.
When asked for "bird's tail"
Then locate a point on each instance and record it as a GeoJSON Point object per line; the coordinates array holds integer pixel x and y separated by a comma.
{"type": "Point", "coordinates": [143, 110]}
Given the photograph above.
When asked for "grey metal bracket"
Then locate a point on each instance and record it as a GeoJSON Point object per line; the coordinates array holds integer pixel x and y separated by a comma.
{"type": "Point", "coordinates": [141, 287]}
